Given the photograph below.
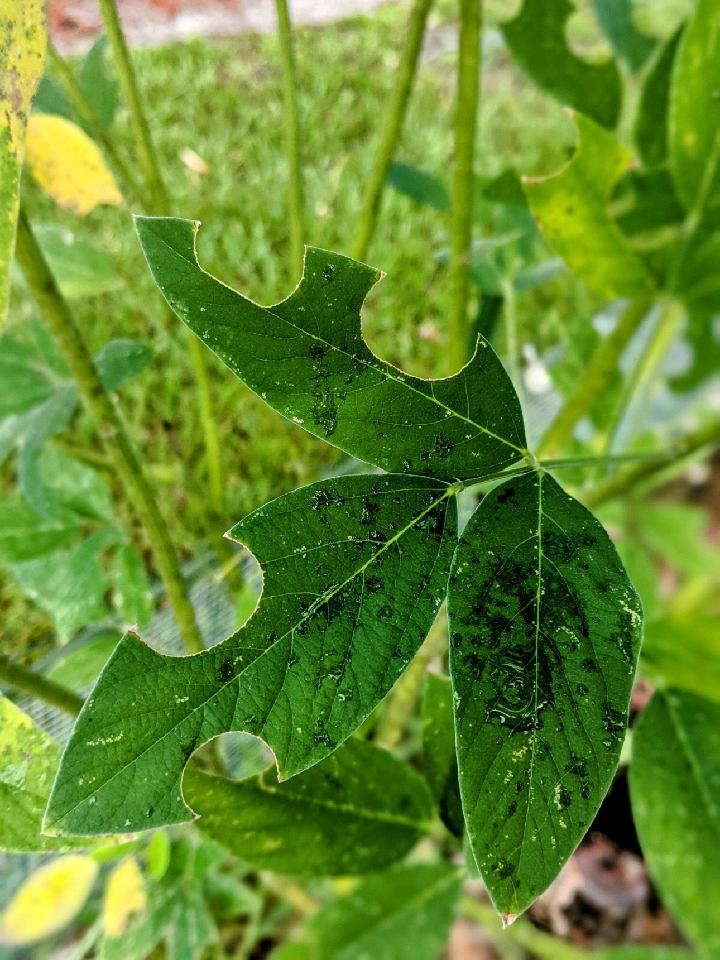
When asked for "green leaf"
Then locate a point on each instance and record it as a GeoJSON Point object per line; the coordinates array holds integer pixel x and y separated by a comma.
{"type": "Point", "coordinates": [439, 751]}
{"type": "Point", "coordinates": [406, 911]}
{"type": "Point", "coordinates": [643, 953]}
{"type": "Point", "coordinates": [98, 86]}
{"type": "Point", "coordinates": [678, 534]}
{"type": "Point", "coordinates": [682, 651]}
{"type": "Point", "coordinates": [25, 384]}
{"type": "Point", "coordinates": [28, 761]}
{"type": "Point", "coordinates": [80, 663]}
{"type": "Point", "coordinates": [357, 811]}
{"type": "Point", "coordinates": [22, 27]}
{"type": "Point", "coordinates": [422, 187]}
{"type": "Point", "coordinates": [307, 359]}
{"type": "Point", "coordinates": [355, 569]}
{"type": "Point", "coordinates": [24, 535]}
{"type": "Point", "coordinates": [694, 121]}
{"type": "Point", "coordinates": [571, 209]}
{"type": "Point", "coordinates": [617, 22]}
{"type": "Point", "coordinates": [536, 38]}
{"type": "Point", "coordinates": [69, 584]}
{"type": "Point", "coordinates": [121, 360]}
{"type": "Point", "coordinates": [80, 268]}
{"type": "Point", "coordinates": [674, 775]}
{"type": "Point", "coordinates": [132, 595]}
{"type": "Point", "coordinates": [177, 914]}
{"type": "Point", "coordinates": [651, 120]}
{"type": "Point", "coordinates": [544, 638]}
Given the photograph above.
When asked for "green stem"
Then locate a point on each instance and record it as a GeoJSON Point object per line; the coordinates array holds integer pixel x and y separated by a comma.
{"type": "Point", "coordinates": [113, 436]}
{"type": "Point", "coordinates": [466, 117]}
{"type": "Point", "coordinates": [20, 678]}
{"type": "Point", "coordinates": [160, 204]}
{"type": "Point", "coordinates": [594, 379]}
{"type": "Point", "coordinates": [296, 208]}
{"type": "Point", "coordinates": [67, 80]}
{"type": "Point", "coordinates": [403, 698]}
{"type": "Point", "coordinates": [131, 94]}
{"type": "Point", "coordinates": [397, 109]}
{"type": "Point", "coordinates": [643, 374]}
{"type": "Point", "coordinates": [626, 480]}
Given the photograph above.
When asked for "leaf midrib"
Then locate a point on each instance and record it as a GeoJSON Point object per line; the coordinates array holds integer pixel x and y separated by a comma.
{"type": "Point", "coordinates": [309, 613]}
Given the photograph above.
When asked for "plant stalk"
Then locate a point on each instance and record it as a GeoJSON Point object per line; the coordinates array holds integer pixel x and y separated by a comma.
{"type": "Point", "coordinates": [113, 436]}
{"type": "Point", "coordinates": [67, 80]}
{"type": "Point", "coordinates": [138, 120]}
{"type": "Point", "coordinates": [407, 69]}
{"type": "Point", "coordinates": [628, 479]}
{"type": "Point", "coordinates": [466, 121]}
{"type": "Point", "coordinates": [160, 205]}
{"type": "Point", "coordinates": [594, 379]}
{"type": "Point", "coordinates": [296, 201]}
{"type": "Point", "coordinates": [21, 678]}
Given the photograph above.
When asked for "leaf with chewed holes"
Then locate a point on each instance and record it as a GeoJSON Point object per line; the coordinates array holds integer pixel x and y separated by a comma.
{"type": "Point", "coordinates": [355, 570]}
{"type": "Point", "coordinates": [544, 639]}
{"type": "Point", "coordinates": [306, 357]}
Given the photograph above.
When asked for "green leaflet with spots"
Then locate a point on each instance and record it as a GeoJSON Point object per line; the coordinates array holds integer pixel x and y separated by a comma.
{"type": "Point", "coordinates": [354, 572]}
{"type": "Point", "coordinates": [307, 359]}
{"type": "Point", "coordinates": [674, 779]}
{"type": "Point", "coordinates": [694, 120]}
{"type": "Point", "coordinates": [544, 640]}
{"type": "Point", "coordinates": [22, 53]}
{"type": "Point", "coordinates": [571, 208]}
{"type": "Point", "coordinates": [536, 38]}
{"type": "Point", "coordinates": [28, 760]}
{"type": "Point", "coordinates": [356, 812]}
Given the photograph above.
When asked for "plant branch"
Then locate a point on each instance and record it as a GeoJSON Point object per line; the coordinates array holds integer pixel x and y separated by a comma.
{"type": "Point", "coordinates": [67, 80]}
{"type": "Point", "coordinates": [296, 206]}
{"type": "Point", "coordinates": [20, 678]}
{"type": "Point", "coordinates": [407, 69]}
{"type": "Point", "coordinates": [138, 120]}
{"type": "Point", "coordinates": [593, 380]}
{"type": "Point", "coordinates": [628, 479]}
{"type": "Point", "coordinates": [113, 436]}
{"type": "Point", "coordinates": [466, 117]}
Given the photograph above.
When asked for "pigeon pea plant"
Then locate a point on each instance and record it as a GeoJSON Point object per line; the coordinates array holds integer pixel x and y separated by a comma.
{"type": "Point", "coordinates": [521, 742]}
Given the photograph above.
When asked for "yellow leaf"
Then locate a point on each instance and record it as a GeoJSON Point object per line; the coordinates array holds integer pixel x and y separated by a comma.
{"type": "Point", "coordinates": [22, 52]}
{"type": "Point", "coordinates": [48, 899]}
{"type": "Point", "coordinates": [124, 896]}
{"type": "Point", "coordinates": [68, 165]}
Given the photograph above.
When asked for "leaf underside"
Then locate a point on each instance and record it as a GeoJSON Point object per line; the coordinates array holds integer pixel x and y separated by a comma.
{"type": "Point", "coordinates": [355, 570]}
{"type": "Point", "coordinates": [307, 359]}
{"type": "Point", "coordinates": [545, 634]}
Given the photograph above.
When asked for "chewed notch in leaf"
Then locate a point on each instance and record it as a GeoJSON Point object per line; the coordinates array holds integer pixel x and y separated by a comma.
{"type": "Point", "coordinates": [544, 640]}
{"type": "Point", "coordinates": [306, 357]}
{"type": "Point", "coordinates": [354, 570]}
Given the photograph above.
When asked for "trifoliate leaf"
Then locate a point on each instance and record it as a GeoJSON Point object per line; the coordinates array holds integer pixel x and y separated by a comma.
{"type": "Point", "coordinates": [440, 760]}
{"type": "Point", "coordinates": [22, 27]}
{"type": "Point", "coordinates": [48, 900]}
{"type": "Point", "coordinates": [694, 121]}
{"type": "Point", "coordinates": [544, 639]}
{"type": "Point", "coordinates": [68, 165]}
{"type": "Point", "coordinates": [307, 359]}
{"type": "Point", "coordinates": [674, 775]}
{"type": "Point", "coordinates": [357, 811]}
{"type": "Point", "coordinates": [403, 912]}
{"type": "Point", "coordinates": [124, 896]}
{"type": "Point", "coordinates": [354, 572]}
{"type": "Point", "coordinates": [571, 209]}
{"type": "Point", "coordinates": [617, 22]}
{"type": "Point", "coordinates": [536, 38]}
